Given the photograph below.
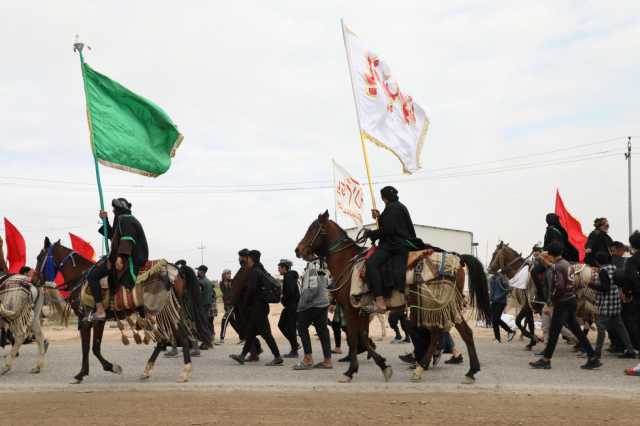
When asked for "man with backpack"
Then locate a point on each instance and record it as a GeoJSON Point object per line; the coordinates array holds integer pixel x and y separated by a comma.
{"type": "Point", "coordinates": [261, 290]}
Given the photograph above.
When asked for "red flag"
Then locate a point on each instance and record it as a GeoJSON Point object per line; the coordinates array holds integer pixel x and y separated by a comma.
{"type": "Point", "coordinates": [16, 247]}
{"type": "Point", "coordinates": [82, 247]}
{"type": "Point", "coordinates": [572, 226]}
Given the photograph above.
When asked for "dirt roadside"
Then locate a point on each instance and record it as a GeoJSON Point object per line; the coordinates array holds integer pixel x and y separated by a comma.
{"type": "Point", "coordinates": [309, 407]}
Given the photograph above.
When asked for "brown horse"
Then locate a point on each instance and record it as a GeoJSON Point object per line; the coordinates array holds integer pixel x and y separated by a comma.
{"type": "Point", "coordinates": [325, 239]}
{"type": "Point", "coordinates": [55, 258]}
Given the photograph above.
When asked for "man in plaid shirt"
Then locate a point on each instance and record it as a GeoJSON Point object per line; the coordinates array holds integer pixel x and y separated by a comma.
{"type": "Point", "coordinates": [609, 306]}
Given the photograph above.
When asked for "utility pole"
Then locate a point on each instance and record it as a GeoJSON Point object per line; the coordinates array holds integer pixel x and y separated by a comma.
{"type": "Point", "coordinates": [627, 155]}
{"type": "Point", "coordinates": [201, 247]}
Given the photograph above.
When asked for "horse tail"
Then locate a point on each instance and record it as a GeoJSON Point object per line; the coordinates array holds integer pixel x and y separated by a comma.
{"type": "Point", "coordinates": [478, 287]}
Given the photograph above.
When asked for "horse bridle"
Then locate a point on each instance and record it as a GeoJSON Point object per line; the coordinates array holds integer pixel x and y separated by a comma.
{"type": "Point", "coordinates": [334, 247]}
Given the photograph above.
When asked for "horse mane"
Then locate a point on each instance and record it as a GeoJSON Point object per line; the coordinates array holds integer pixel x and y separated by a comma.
{"type": "Point", "coordinates": [346, 236]}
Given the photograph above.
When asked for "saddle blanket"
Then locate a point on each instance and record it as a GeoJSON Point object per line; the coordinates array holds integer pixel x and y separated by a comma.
{"type": "Point", "coordinates": [362, 295]}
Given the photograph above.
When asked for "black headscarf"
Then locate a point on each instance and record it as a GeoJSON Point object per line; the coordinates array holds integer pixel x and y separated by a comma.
{"type": "Point", "coordinates": [121, 206]}
{"type": "Point", "coordinates": [389, 193]}
{"type": "Point", "coordinates": [255, 255]}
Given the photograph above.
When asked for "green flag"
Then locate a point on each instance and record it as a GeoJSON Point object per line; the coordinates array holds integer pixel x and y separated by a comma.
{"type": "Point", "coordinates": [128, 132]}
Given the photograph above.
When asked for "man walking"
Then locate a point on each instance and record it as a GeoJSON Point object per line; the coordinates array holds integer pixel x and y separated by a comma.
{"type": "Point", "coordinates": [290, 298]}
{"type": "Point", "coordinates": [229, 317]}
{"type": "Point", "coordinates": [207, 298]}
{"type": "Point", "coordinates": [562, 293]}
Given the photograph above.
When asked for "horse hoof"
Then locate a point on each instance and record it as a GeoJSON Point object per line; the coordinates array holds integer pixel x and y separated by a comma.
{"type": "Point", "coordinates": [388, 373]}
{"type": "Point", "coordinates": [75, 381]}
{"type": "Point", "coordinates": [35, 370]}
{"type": "Point", "coordinates": [345, 379]}
{"type": "Point", "coordinates": [4, 370]}
{"type": "Point", "coordinates": [468, 380]}
{"type": "Point", "coordinates": [117, 369]}
{"type": "Point", "coordinates": [144, 377]}
{"type": "Point", "coordinates": [186, 373]}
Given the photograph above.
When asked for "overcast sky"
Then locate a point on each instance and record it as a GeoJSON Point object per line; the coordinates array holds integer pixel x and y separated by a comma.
{"type": "Point", "coordinates": [261, 92]}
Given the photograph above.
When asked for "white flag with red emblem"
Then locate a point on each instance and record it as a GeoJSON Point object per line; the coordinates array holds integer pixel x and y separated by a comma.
{"type": "Point", "coordinates": [388, 117]}
{"type": "Point", "coordinates": [349, 196]}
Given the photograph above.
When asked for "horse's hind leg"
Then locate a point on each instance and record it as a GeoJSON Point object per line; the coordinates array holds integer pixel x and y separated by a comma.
{"type": "Point", "coordinates": [84, 327]}
{"type": "Point", "coordinates": [98, 330]}
{"type": "Point", "coordinates": [467, 335]}
{"type": "Point", "coordinates": [183, 340]}
{"type": "Point", "coordinates": [13, 353]}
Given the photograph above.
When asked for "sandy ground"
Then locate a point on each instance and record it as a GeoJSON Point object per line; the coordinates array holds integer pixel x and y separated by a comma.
{"type": "Point", "coordinates": [506, 392]}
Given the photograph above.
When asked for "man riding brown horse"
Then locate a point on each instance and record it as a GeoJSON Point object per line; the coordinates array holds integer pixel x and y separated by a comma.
{"type": "Point", "coordinates": [129, 252]}
{"type": "Point", "coordinates": [395, 230]}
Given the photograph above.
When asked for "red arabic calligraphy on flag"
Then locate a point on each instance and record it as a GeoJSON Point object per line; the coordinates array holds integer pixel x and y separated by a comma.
{"type": "Point", "coordinates": [349, 195]}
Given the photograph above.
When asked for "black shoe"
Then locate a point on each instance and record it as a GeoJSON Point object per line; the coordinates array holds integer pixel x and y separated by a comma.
{"type": "Point", "coordinates": [275, 362]}
{"type": "Point", "coordinates": [592, 364]}
{"type": "Point", "coordinates": [455, 360]}
{"type": "Point", "coordinates": [540, 364]}
{"type": "Point", "coordinates": [408, 358]}
{"type": "Point", "coordinates": [292, 354]}
{"type": "Point", "coordinates": [204, 347]}
{"type": "Point", "coordinates": [344, 359]}
{"type": "Point", "coordinates": [627, 355]}
{"type": "Point", "coordinates": [238, 358]}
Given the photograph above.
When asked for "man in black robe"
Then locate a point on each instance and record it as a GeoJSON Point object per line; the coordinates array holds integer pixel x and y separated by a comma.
{"type": "Point", "coordinates": [290, 298]}
{"type": "Point", "coordinates": [128, 253]}
{"type": "Point", "coordinates": [395, 229]}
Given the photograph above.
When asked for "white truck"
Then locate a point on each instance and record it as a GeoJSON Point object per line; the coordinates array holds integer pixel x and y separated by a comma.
{"type": "Point", "coordinates": [453, 240]}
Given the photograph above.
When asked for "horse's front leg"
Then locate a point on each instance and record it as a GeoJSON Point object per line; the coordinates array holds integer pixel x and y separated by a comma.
{"type": "Point", "coordinates": [380, 361]}
{"type": "Point", "coordinates": [84, 327]}
{"type": "Point", "coordinates": [98, 331]}
{"type": "Point", "coordinates": [13, 353]}
{"type": "Point", "coordinates": [353, 339]}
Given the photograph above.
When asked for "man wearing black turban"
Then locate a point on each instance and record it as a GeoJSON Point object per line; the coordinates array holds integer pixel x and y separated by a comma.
{"type": "Point", "coordinates": [395, 228]}
{"type": "Point", "coordinates": [129, 252]}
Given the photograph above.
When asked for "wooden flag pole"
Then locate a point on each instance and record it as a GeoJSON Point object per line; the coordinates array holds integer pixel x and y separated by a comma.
{"type": "Point", "coordinates": [78, 47]}
{"type": "Point", "coordinates": [355, 101]}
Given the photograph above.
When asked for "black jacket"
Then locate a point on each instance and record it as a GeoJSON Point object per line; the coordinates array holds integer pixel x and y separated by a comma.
{"type": "Point", "coordinates": [597, 241]}
{"type": "Point", "coordinates": [396, 227]}
{"type": "Point", "coordinates": [290, 290]}
{"type": "Point", "coordinates": [556, 233]}
{"type": "Point", "coordinates": [632, 275]}
{"type": "Point", "coordinates": [128, 240]}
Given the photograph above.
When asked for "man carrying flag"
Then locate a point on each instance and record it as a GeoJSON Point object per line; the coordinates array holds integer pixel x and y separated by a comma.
{"type": "Point", "coordinates": [129, 252]}
{"type": "Point", "coordinates": [131, 133]}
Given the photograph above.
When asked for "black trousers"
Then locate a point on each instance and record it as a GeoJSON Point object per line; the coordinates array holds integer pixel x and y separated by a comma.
{"type": "Point", "coordinates": [98, 272]}
{"type": "Point", "coordinates": [421, 339]}
{"type": "Point", "coordinates": [564, 313]}
{"type": "Point", "coordinates": [287, 325]}
{"type": "Point", "coordinates": [496, 319]}
{"type": "Point", "coordinates": [395, 318]}
{"type": "Point", "coordinates": [536, 277]}
{"type": "Point", "coordinates": [526, 314]}
{"type": "Point", "coordinates": [258, 325]}
{"type": "Point", "coordinates": [317, 317]}
{"type": "Point", "coordinates": [398, 263]}
{"type": "Point", "coordinates": [632, 322]}
{"type": "Point", "coordinates": [228, 319]}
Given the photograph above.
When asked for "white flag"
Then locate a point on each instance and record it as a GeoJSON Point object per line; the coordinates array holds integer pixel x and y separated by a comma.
{"type": "Point", "coordinates": [388, 117]}
{"type": "Point", "coordinates": [349, 196]}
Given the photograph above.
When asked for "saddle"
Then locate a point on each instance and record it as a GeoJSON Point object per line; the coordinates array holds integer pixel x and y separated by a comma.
{"type": "Point", "coordinates": [124, 299]}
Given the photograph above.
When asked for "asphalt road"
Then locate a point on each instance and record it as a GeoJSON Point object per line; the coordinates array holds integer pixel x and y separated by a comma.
{"type": "Point", "coordinates": [504, 369]}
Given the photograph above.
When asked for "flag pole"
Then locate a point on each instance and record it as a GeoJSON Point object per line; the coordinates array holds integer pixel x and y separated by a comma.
{"type": "Point", "coordinates": [355, 101]}
{"type": "Point", "coordinates": [78, 46]}
{"type": "Point", "coordinates": [335, 194]}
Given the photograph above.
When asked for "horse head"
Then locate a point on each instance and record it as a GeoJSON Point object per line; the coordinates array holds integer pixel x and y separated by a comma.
{"type": "Point", "coordinates": [315, 242]}
{"type": "Point", "coordinates": [502, 258]}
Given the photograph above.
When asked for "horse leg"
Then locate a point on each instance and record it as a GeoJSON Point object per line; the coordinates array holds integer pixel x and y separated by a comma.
{"type": "Point", "coordinates": [152, 361]}
{"type": "Point", "coordinates": [423, 365]}
{"type": "Point", "coordinates": [467, 335]}
{"type": "Point", "coordinates": [37, 331]}
{"type": "Point", "coordinates": [183, 340]}
{"type": "Point", "coordinates": [380, 361]}
{"type": "Point", "coordinates": [85, 338]}
{"type": "Point", "coordinates": [98, 330]}
{"type": "Point", "coordinates": [13, 353]}
{"type": "Point", "coordinates": [352, 339]}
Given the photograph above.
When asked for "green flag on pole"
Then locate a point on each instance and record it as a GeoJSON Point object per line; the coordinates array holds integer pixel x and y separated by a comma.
{"type": "Point", "coordinates": [128, 132]}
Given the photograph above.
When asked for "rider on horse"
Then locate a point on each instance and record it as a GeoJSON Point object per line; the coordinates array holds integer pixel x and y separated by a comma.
{"type": "Point", "coordinates": [129, 252]}
{"type": "Point", "coordinates": [395, 229]}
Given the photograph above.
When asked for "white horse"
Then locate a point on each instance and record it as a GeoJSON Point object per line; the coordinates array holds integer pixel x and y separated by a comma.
{"type": "Point", "coordinates": [20, 312]}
